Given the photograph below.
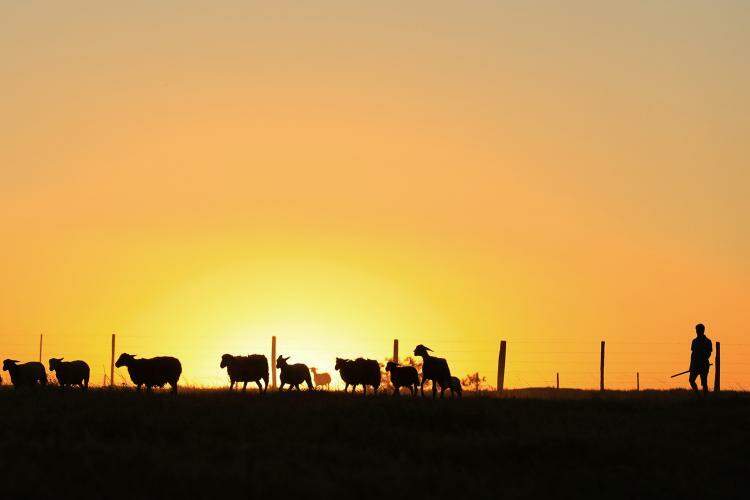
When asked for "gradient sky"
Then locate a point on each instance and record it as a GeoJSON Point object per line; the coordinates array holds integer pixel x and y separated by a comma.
{"type": "Point", "coordinates": [200, 175]}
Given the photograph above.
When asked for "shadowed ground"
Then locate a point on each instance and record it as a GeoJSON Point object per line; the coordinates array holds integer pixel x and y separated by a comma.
{"type": "Point", "coordinates": [569, 444]}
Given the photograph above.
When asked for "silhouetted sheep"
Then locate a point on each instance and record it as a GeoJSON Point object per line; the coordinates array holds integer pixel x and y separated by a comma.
{"type": "Point", "coordinates": [321, 379]}
{"type": "Point", "coordinates": [25, 374]}
{"type": "Point", "coordinates": [455, 387]}
{"type": "Point", "coordinates": [293, 375]}
{"type": "Point", "coordinates": [252, 368]}
{"type": "Point", "coordinates": [151, 371]}
{"type": "Point", "coordinates": [433, 369]}
{"type": "Point", "coordinates": [70, 372]}
{"type": "Point", "coordinates": [361, 371]}
{"type": "Point", "coordinates": [346, 370]}
{"type": "Point", "coordinates": [403, 376]}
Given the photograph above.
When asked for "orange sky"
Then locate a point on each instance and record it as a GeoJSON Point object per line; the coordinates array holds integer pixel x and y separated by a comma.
{"type": "Point", "coordinates": [198, 176]}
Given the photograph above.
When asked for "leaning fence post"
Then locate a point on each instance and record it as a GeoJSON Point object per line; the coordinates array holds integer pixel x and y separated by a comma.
{"type": "Point", "coordinates": [717, 374]}
{"type": "Point", "coordinates": [601, 368]}
{"type": "Point", "coordinates": [501, 366]}
{"type": "Point", "coordinates": [395, 351]}
{"type": "Point", "coordinates": [273, 361]}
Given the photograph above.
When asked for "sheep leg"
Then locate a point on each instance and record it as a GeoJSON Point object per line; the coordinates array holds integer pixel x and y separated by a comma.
{"type": "Point", "coordinates": [138, 387]}
{"type": "Point", "coordinates": [421, 387]}
{"type": "Point", "coordinates": [265, 381]}
{"type": "Point", "coordinates": [260, 386]}
{"type": "Point", "coordinates": [244, 386]}
{"type": "Point", "coordinates": [434, 390]}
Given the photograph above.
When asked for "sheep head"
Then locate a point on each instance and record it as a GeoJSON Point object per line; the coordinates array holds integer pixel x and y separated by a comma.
{"type": "Point", "coordinates": [225, 360]}
{"type": "Point", "coordinates": [125, 359]}
{"type": "Point", "coordinates": [390, 366]}
{"type": "Point", "coordinates": [281, 361]}
{"type": "Point", "coordinates": [421, 350]}
{"type": "Point", "coordinates": [54, 363]}
{"type": "Point", "coordinates": [8, 364]}
{"type": "Point", "coordinates": [341, 363]}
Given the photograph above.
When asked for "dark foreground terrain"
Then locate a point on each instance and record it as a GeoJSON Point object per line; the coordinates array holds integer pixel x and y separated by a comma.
{"type": "Point", "coordinates": [530, 444]}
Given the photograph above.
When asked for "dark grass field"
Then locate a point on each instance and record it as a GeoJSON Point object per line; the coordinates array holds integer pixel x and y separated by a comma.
{"type": "Point", "coordinates": [529, 444]}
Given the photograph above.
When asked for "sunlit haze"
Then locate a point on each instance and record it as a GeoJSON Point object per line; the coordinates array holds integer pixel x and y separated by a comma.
{"type": "Point", "coordinates": [197, 176]}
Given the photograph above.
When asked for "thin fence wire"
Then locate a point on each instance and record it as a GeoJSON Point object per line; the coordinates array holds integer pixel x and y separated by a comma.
{"type": "Point", "coordinates": [530, 362]}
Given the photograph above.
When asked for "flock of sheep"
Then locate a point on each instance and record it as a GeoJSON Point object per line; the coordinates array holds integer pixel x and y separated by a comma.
{"type": "Point", "coordinates": [160, 371]}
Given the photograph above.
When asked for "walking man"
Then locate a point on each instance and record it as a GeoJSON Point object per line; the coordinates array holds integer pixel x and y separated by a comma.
{"type": "Point", "coordinates": [701, 349]}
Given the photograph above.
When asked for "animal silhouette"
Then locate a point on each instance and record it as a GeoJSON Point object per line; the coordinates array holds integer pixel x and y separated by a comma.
{"type": "Point", "coordinates": [293, 375]}
{"type": "Point", "coordinates": [70, 372]}
{"type": "Point", "coordinates": [321, 379]}
{"type": "Point", "coordinates": [360, 371]}
{"type": "Point", "coordinates": [433, 369]}
{"type": "Point", "coordinates": [151, 372]}
{"type": "Point", "coordinates": [251, 368]}
{"type": "Point", "coordinates": [403, 376]}
{"type": "Point", "coordinates": [455, 387]}
{"type": "Point", "coordinates": [25, 374]}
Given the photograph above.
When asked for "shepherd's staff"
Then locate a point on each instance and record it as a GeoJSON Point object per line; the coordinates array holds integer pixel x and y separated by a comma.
{"type": "Point", "coordinates": [686, 371]}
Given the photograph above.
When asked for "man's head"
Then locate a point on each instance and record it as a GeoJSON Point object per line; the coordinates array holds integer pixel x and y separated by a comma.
{"type": "Point", "coordinates": [700, 329]}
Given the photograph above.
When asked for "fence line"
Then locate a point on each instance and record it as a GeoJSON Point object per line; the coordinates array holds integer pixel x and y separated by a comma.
{"type": "Point", "coordinates": [515, 367]}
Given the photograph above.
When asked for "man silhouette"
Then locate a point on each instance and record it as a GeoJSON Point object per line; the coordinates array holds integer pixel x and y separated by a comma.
{"type": "Point", "coordinates": [700, 354]}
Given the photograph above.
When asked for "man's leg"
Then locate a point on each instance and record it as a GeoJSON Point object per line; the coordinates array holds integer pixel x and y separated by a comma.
{"type": "Point", "coordinates": [704, 382]}
{"type": "Point", "coordinates": [692, 378]}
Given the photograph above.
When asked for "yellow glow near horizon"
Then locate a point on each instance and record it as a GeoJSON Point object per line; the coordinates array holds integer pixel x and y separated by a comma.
{"type": "Point", "coordinates": [199, 176]}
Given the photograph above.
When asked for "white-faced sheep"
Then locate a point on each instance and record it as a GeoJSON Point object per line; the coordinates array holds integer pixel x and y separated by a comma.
{"type": "Point", "coordinates": [361, 371]}
{"type": "Point", "coordinates": [252, 368]}
{"type": "Point", "coordinates": [321, 379]}
{"type": "Point", "coordinates": [151, 372]}
{"type": "Point", "coordinates": [293, 375]}
{"type": "Point", "coordinates": [25, 374]}
{"type": "Point", "coordinates": [433, 369]}
{"type": "Point", "coordinates": [70, 372]}
{"type": "Point", "coordinates": [403, 376]}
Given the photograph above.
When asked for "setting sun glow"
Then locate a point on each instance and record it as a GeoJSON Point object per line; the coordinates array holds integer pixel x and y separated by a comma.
{"type": "Point", "coordinates": [342, 174]}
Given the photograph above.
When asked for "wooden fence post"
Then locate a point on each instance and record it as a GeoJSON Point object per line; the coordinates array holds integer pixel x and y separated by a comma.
{"type": "Point", "coordinates": [601, 368]}
{"type": "Point", "coordinates": [112, 364]}
{"type": "Point", "coordinates": [273, 361]}
{"type": "Point", "coordinates": [501, 366]}
{"type": "Point", "coordinates": [717, 364]}
{"type": "Point", "coordinates": [41, 335]}
{"type": "Point", "coordinates": [637, 381]}
{"type": "Point", "coordinates": [558, 380]}
{"type": "Point", "coordinates": [395, 351]}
